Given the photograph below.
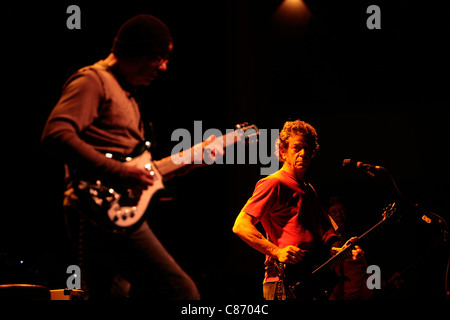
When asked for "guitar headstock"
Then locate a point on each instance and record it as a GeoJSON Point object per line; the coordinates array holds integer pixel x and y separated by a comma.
{"type": "Point", "coordinates": [389, 211]}
{"type": "Point", "coordinates": [250, 132]}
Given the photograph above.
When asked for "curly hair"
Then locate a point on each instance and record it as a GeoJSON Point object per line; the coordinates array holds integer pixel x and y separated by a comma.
{"type": "Point", "coordinates": [294, 128]}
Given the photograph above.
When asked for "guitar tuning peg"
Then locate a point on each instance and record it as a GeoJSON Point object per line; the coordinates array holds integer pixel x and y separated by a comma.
{"type": "Point", "coordinates": [241, 125]}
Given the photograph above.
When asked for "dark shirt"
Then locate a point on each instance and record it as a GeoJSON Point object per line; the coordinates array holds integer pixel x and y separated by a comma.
{"type": "Point", "coordinates": [94, 115]}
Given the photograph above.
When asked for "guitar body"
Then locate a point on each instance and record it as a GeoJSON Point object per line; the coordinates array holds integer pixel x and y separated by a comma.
{"type": "Point", "coordinates": [118, 210]}
{"type": "Point", "coordinates": [314, 287]}
{"type": "Point", "coordinates": [303, 284]}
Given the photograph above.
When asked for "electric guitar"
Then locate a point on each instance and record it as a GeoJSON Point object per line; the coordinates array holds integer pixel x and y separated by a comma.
{"type": "Point", "coordinates": [309, 280]}
{"type": "Point", "coordinates": [123, 209]}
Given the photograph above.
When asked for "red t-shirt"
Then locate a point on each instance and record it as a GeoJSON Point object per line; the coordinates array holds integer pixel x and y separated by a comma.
{"type": "Point", "coordinates": [290, 214]}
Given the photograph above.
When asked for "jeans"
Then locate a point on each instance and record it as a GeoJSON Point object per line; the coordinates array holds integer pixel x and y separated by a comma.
{"type": "Point", "coordinates": [270, 291]}
{"type": "Point", "coordinates": [134, 265]}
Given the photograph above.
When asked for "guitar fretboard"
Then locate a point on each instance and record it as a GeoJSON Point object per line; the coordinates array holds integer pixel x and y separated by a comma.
{"type": "Point", "coordinates": [169, 165]}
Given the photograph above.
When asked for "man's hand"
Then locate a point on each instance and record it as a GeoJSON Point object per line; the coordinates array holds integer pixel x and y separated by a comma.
{"type": "Point", "coordinates": [290, 254]}
{"type": "Point", "coordinates": [357, 252]}
{"type": "Point", "coordinates": [208, 151]}
{"type": "Point", "coordinates": [212, 149]}
{"type": "Point", "coordinates": [136, 178]}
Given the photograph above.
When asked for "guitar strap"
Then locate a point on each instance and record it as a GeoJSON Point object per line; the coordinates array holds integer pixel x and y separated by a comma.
{"type": "Point", "coordinates": [279, 290]}
{"type": "Point", "coordinates": [140, 148]}
{"type": "Point", "coordinates": [280, 285]}
{"type": "Point", "coordinates": [282, 290]}
{"type": "Point", "coordinates": [327, 220]}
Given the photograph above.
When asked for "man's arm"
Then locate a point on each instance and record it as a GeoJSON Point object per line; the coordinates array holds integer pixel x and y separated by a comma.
{"type": "Point", "coordinates": [76, 109]}
{"type": "Point", "coordinates": [244, 227]}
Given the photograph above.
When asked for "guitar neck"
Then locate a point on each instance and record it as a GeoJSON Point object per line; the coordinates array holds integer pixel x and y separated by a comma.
{"type": "Point", "coordinates": [168, 168]}
{"type": "Point", "coordinates": [194, 156]}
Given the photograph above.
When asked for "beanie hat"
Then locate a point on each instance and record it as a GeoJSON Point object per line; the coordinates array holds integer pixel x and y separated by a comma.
{"type": "Point", "coordinates": [142, 35]}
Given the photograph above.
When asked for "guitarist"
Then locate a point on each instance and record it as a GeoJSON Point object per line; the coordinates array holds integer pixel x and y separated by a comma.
{"type": "Point", "coordinates": [354, 286]}
{"type": "Point", "coordinates": [97, 114]}
{"type": "Point", "coordinates": [287, 207]}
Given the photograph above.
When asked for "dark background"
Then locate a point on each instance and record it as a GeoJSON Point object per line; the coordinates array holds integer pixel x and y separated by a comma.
{"type": "Point", "coordinates": [377, 96]}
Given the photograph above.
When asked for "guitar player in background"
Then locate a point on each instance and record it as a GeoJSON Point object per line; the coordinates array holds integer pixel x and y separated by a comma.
{"type": "Point", "coordinates": [353, 286]}
{"type": "Point", "coordinates": [98, 114]}
{"type": "Point", "coordinates": [288, 209]}
{"type": "Point", "coordinates": [354, 272]}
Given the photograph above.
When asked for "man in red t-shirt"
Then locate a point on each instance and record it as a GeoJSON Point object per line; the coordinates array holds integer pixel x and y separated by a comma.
{"type": "Point", "coordinates": [288, 209]}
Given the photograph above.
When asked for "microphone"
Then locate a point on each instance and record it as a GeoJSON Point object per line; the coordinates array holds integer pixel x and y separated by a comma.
{"type": "Point", "coordinates": [360, 165]}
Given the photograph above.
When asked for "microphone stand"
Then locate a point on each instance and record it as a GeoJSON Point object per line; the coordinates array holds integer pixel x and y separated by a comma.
{"type": "Point", "coordinates": [427, 216]}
